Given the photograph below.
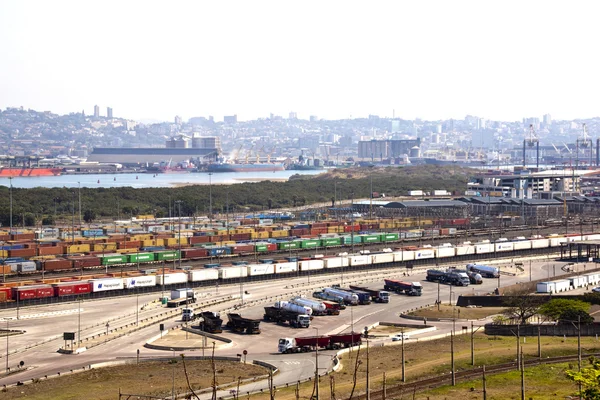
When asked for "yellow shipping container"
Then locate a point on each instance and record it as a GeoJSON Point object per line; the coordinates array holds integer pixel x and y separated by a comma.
{"type": "Point", "coordinates": [141, 238]}
{"type": "Point", "coordinates": [146, 216]}
{"type": "Point", "coordinates": [259, 235]}
{"type": "Point", "coordinates": [78, 248]}
{"type": "Point", "coordinates": [3, 253]}
{"type": "Point", "coordinates": [42, 258]}
{"type": "Point", "coordinates": [279, 233]}
{"type": "Point", "coordinates": [175, 241]}
{"type": "Point", "coordinates": [335, 229]}
{"type": "Point", "coordinates": [104, 246]}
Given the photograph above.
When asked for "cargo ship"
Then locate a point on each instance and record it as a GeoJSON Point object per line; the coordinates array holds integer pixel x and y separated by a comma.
{"type": "Point", "coordinates": [256, 167]}
{"type": "Point", "coordinates": [10, 172]}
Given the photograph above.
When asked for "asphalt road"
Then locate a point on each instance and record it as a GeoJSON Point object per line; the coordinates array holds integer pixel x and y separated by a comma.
{"type": "Point", "coordinates": [46, 324]}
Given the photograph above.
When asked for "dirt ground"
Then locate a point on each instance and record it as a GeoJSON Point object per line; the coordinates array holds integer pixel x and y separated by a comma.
{"type": "Point", "coordinates": [147, 378]}
{"type": "Point", "coordinates": [446, 311]}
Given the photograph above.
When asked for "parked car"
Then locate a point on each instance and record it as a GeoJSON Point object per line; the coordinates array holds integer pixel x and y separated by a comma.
{"type": "Point", "coordinates": [596, 289]}
{"type": "Point", "coordinates": [398, 337]}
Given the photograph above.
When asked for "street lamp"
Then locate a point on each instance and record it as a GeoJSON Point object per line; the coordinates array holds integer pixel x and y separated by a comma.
{"type": "Point", "coordinates": [178, 202]}
{"type": "Point", "coordinates": [11, 203]}
{"type": "Point", "coordinates": [79, 190]}
{"type": "Point", "coordinates": [210, 197]}
{"type": "Point", "coordinates": [317, 367]}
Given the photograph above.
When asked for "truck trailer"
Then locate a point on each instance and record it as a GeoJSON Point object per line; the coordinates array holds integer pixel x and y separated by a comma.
{"type": "Point", "coordinates": [310, 343]}
{"type": "Point", "coordinates": [239, 324]}
{"type": "Point", "coordinates": [280, 315]}
{"type": "Point", "coordinates": [401, 287]}
{"type": "Point", "coordinates": [330, 297]}
{"type": "Point", "coordinates": [449, 277]}
{"type": "Point", "coordinates": [378, 296]}
{"type": "Point", "coordinates": [364, 298]}
{"type": "Point", "coordinates": [210, 322]}
{"type": "Point", "coordinates": [347, 297]}
{"type": "Point", "coordinates": [486, 271]}
{"type": "Point", "coordinates": [180, 297]}
{"type": "Point", "coordinates": [318, 308]}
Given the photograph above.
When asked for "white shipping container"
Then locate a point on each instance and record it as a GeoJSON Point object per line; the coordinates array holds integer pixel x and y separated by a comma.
{"type": "Point", "coordinates": [408, 255]}
{"type": "Point", "coordinates": [307, 265]}
{"type": "Point", "coordinates": [397, 256]}
{"type": "Point", "coordinates": [382, 258]}
{"type": "Point", "coordinates": [232, 272]}
{"type": "Point", "coordinates": [522, 245]}
{"type": "Point", "coordinates": [106, 284]}
{"type": "Point", "coordinates": [546, 287]}
{"type": "Point", "coordinates": [593, 278]}
{"type": "Point", "coordinates": [335, 262]}
{"type": "Point", "coordinates": [28, 266]}
{"type": "Point", "coordinates": [424, 253]}
{"type": "Point", "coordinates": [465, 249]}
{"type": "Point", "coordinates": [139, 281]}
{"type": "Point", "coordinates": [172, 278]}
{"type": "Point", "coordinates": [504, 246]}
{"type": "Point", "coordinates": [578, 281]}
{"type": "Point", "coordinates": [359, 260]}
{"type": "Point", "coordinates": [562, 285]}
{"type": "Point", "coordinates": [267, 221]}
{"type": "Point", "coordinates": [540, 243]}
{"type": "Point", "coordinates": [260, 269]}
{"type": "Point", "coordinates": [445, 251]}
{"type": "Point", "coordinates": [415, 193]}
{"type": "Point", "coordinates": [594, 236]}
{"type": "Point", "coordinates": [482, 248]}
{"type": "Point", "coordinates": [286, 267]}
{"type": "Point", "coordinates": [440, 193]}
{"type": "Point", "coordinates": [205, 274]}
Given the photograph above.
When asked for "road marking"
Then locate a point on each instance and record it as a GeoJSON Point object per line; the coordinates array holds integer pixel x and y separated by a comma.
{"type": "Point", "coordinates": [50, 314]}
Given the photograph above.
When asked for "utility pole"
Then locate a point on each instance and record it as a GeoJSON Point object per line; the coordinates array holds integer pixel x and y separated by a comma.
{"type": "Point", "coordinates": [403, 362]}
{"type": "Point", "coordinates": [367, 340]}
{"type": "Point", "coordinates": [210, 197]}
{"type": "Point", "coordinates": [484, 384]}
{"type": "Point", "coordinates": [452, 350]}
{"type": "Point", "coordinates": [79, 183]}
{"type": "Point", "coordinates": [11, 204]}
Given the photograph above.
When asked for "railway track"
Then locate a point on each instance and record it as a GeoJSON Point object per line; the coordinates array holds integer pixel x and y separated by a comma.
{"type": "Point", "coordinates": [396, 391]}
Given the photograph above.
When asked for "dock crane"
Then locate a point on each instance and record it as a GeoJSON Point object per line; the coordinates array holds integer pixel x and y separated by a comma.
{"type": "Point", "coordinates": [258, 154]}
{"type": "Point", "coordinates": [248, 153]}
{"type": "Point", "coordinates": [236, 153]}
{"type": "Point", "coordinates": [531, 141]}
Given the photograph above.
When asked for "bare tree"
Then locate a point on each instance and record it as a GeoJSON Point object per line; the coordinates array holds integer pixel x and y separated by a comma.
{"type": "Point", "coordinates": [521, 305]}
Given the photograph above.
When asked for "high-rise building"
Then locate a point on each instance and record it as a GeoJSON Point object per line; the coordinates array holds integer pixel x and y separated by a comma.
{"type": "Point", "coordinates": [178, 120]}
{"type": "Point", "coordinates": [230, 119]}
{"type": "Point", "coordinates": [96, 111]}
{"type": "Point", "coordinates": [313, 118]}
{"type": "Point", "coordinates": [547, 119]}
{"type": "Point", "coordinates": [293, 115]}
{"type": "Point", "coordinates": [109, 113]}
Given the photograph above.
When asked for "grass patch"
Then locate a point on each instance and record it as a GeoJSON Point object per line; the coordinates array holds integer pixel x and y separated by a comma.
{"type": "Point", "coordinates": [148, 378]}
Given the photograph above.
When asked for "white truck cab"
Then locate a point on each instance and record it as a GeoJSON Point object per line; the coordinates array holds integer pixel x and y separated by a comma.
{"type": "Point", "coordinates": [187, 314]}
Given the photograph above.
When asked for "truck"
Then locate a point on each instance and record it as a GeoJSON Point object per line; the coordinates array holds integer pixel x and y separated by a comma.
{"type": "Point", "coordinates": [378, 296]}
{"type": "Point", "coordinates": [239, 324]}
{"type": "Point", "coordinates": [333, 307]}
{"type": "Point", "coordinates": [318, 308]}
{"type": "Point", "coordinates": [364, 298]}
{"type": "Point", "coordinates": [181, 297]}
{"type": "Point", "coordinates": [310, 343]}
{"type": "Point", "coordinates": [347, 297]}
{"type": "Point", "coordinates": [486, 271]}
{"type": "Point", "coordinates": [400, 287]}
{"type": "Point", "coordinates": [187, 314]}
{"type": "Point", "coordinates": [450, 277]}
{"type": "Point", "coordinates": [330, 297]}
{"type": "Point", "coordinates": [286, 305]}
{"type": "Point", "coordinates": [280, 315]}
{"type": "Point", "coordinates": [210, 322]}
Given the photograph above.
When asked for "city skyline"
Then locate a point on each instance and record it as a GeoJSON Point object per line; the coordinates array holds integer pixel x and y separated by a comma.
{"type": "Point", "coordinates": [336, 60]}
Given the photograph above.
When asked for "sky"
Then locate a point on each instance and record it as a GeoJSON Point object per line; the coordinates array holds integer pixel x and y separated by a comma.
{"type": "Point", "coordinates": [499, 60]}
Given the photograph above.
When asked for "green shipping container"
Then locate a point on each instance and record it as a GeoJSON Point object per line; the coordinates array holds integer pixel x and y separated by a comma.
{"type": "Point", "coordinates": [310, 244]}
{"type": "Point", "coordinates": [167, 255]}
{"type": "Point", "coordinates": [114, 259]}
{"type": "Point", "coordinates": [288, 245]}
{"type": "Point", "coordinates": [388, 237]}
{"type": "Point", "coordinates": [331, 241]}
{"type": "Point", "coordinates": [260, 247]}
{"type": "Point", "coordinates": [369, 238]}
{"type": "Point", "coordinates": [140, 257]}
{"type": "Point", "coordinates": [348, 239]}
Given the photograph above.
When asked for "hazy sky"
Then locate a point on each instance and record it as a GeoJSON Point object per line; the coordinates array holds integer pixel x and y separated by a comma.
{"type": "Point", "coordinates": [334, 59]}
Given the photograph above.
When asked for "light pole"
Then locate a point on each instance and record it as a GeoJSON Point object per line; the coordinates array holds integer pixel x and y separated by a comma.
{"type": "Point", "coordinates": [210, 197]}
{"type": "Point", "coordinates": [73, 219]}
{"type": "Point", "coordinates": [11, 203]}
{"type": "Point", "coordinates": [7, 335]}
{"type": "Point", "coordinates": [452, 344]}
{"type": "Point", "coordinates": [79, 323]}
{"type": "Point", "coordinates": [79, 183]}
{"type": "Point", "coordinates": [367, 340]}
{"type": "Point", "coordinates": [317, 367]}
{"type": "Point", "coordinates": [178, 202]}
{"type": "Point", "coordinates": [173, 382]}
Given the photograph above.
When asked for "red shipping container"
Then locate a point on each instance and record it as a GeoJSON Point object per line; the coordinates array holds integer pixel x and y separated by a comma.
{"type": "Point", "coordinates": [243, 248]}
{"type": "Point", "coordinates": [194, 253]}
{"type": "Point", "coordinates": [52, 250]}
{"type": "Point", "coordinates": [5, 294]}
{"type": "Point", "coordinates": [24, 293]}
{"type": "Point", "coordinates": [199, 239]}
{"type": "Point", "coordinates": [84, 262]}
{"type": "Point", "coordinates": [318, 225]}
{"type": "Point", "coordinates": [22, 236]}
{"type": "Point", "coordinates": [271, 247]}
{"type": "Point", "coordinates": [46, 291]}
{"type": "Point", "coordinates": [350, 228]}
{"type": "Point", "coordinates": [4, 237]}
{"type": "Point", "coordinates": [132, 244]}
{"type": "Point", "coordinates": [75, 288]}
{"type": "Point", "coordinates": [296, 232]}
{"type": "Point", "coordinates": [57, 264]}
{"type": "Point", "coordinates": [25, 253]}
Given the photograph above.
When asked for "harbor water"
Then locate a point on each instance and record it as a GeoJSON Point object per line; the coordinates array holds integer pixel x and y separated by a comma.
{"type": "Point", "coordinates": [147, 180]}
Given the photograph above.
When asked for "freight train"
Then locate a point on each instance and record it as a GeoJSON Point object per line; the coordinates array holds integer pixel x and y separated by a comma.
{"type": "Point", "coordinates": [214, 273]}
